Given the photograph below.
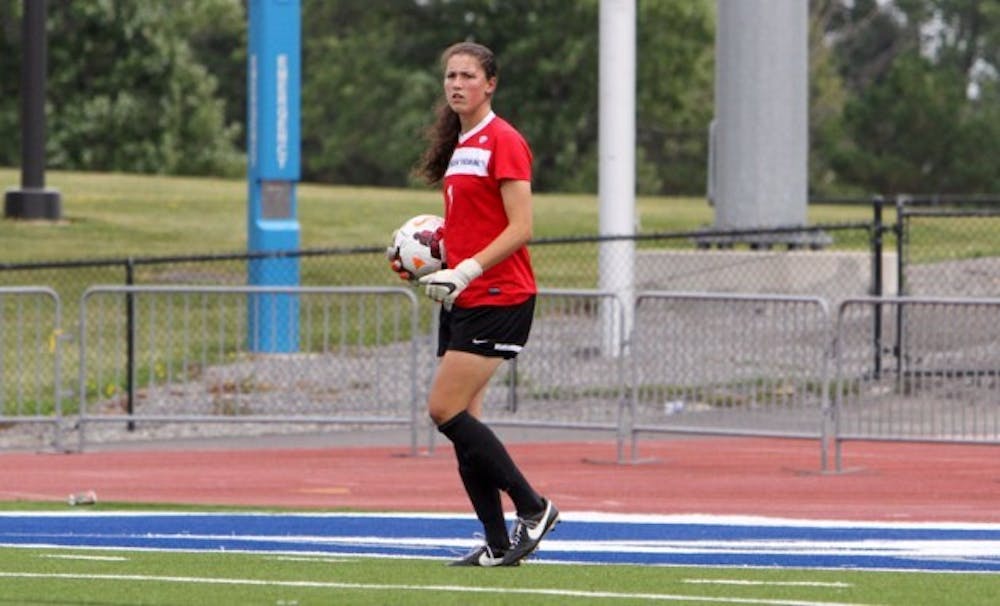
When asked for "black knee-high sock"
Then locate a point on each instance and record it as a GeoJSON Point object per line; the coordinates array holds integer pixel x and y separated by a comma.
{"type": "Point", "coordinates": [488, 456]}
{"type": "Point", "coordinates": [485, 499]}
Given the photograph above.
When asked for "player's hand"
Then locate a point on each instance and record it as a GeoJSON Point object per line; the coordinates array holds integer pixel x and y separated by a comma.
{"type": "Point", "coordinates": [445, 285]}
{"type": "Point", "coordinates": [395, 264]}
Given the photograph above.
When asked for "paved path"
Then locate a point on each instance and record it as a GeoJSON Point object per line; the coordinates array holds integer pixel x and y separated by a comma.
{"type": "Point", "coordinates": [722, 476]}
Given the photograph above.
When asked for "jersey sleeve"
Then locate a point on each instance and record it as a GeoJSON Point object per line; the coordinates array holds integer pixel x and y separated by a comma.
{"type": "Point", "coordinates": [512, 157]}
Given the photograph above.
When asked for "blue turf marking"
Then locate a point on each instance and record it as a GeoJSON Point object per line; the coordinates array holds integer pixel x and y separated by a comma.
{"type": "Point", "coordinates": [581, 537]}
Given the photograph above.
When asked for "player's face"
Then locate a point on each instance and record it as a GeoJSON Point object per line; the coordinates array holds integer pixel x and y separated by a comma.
{"type": "Point", "coordinates": [467, 89]}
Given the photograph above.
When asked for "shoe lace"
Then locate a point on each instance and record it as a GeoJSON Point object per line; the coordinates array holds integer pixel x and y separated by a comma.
{"type": "Point", "coordinates": [520, 527]}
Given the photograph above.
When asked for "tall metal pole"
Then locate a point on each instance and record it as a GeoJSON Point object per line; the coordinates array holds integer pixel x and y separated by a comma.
{"type": "Point", "coordinates": [616, 170]}
{"type": "Point", "coordinates": [760, 144]}
{"type": "Point", "coordinates": [33, 201]}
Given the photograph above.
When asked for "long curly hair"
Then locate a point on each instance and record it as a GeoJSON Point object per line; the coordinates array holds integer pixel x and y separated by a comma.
{"type": "Point", "coordinates": [442, 135]}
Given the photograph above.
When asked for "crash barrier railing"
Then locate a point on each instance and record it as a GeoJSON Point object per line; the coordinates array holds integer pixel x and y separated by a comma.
{"type": "Point", "coordinates": [730, 364]}
{"type": "Point", "coordinates": [31, 383]}
{"type": "Point", "coordinates": [665, 362]}
{"type": "Point", "coordinates": [940, 383]}
{"type": "Point", "coordinates": [176, 354]}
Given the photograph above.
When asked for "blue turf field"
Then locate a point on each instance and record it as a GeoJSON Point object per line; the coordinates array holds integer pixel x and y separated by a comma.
{"type": "Point", "coordinates": [580, 538]}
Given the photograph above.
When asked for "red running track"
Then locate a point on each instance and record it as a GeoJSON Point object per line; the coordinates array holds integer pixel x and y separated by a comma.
{"type": "Point", "coordinates": [733, 476]}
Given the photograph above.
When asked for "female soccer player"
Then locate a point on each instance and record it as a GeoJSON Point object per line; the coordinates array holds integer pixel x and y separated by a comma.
{"type": "Point", "coordinates": [487, 294]}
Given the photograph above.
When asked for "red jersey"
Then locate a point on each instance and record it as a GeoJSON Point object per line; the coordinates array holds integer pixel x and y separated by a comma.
{"type": "Point", "coordinates": [474, 214]}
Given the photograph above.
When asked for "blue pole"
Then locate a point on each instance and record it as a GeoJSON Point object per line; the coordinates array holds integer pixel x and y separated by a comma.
{"type": "Point", "coordinates": [273, 170]}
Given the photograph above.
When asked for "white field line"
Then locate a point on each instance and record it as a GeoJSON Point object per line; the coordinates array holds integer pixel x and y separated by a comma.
{"type": "Point", "coordinates": [866, 547]}
{"type": "Point", "coordinates": [352, 556]}
{"type": "Point", "coordinates": [567, 593]}
{"type": "Point", "coordinates": [836, 585]}
{"type": "Point", "coordinates": [69, 556]}
{"type": "Point", "coordinates": [567, 516]}
{"type": "Point", "coordinates": [315, 559]}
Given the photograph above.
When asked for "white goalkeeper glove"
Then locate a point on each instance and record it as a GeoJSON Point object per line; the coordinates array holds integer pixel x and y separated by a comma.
{"type": "Point", "coordinates": [445, 285]}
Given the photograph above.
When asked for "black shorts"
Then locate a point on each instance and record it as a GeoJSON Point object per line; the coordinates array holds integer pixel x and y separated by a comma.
{"type": "Point", "coordinates": [495, 331]}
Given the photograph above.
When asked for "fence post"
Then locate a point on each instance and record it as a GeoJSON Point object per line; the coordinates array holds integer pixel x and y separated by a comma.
{"type": "Point", "coordinates": [130, 341]}
{"type": "Point", "coordinates": [512, 386]}
{"type": "Point", "coordinates": [877, 230]}
{"type": "Point", "coordinates": [900, 232]}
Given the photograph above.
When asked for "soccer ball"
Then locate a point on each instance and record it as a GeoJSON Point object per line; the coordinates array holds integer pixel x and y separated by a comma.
{"type": "Point", "coordinates": [419, 244]}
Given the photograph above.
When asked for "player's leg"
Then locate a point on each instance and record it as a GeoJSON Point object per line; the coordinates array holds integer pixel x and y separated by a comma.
{"type": "Point", "coordinates": [476, 405]}
{"type": "Point", "coordinates": [472, 343]}
{"type": "Point", "coordinates": [485, 465]}
{"type": "Point", "coordinates": [457, 373]}
{"type": "Point", "coordinates": [485, 498]}
{"type": "Point", "coordinates": [459, 386]}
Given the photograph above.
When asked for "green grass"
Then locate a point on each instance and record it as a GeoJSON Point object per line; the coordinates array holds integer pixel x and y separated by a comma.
{"type": "Point", "coordinates": [119, 215]}
{"type": "Point", "coordinates": [111, 577]}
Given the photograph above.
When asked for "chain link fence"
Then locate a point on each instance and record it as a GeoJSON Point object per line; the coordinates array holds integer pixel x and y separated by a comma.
{"type": "Point", "coordinates": [948, 246]}
{"type": "Point", "coordinates": [935, 246]}
{"type": "Point", "coordinates": [711, 307]}
{"type": "Point", "coordinates": [31, 380]}
{"type": "Point", "coordinates": [184, 354]}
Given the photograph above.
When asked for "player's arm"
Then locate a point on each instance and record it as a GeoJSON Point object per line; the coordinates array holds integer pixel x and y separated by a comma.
{"type": "Point", "coordinates": [447, 284]}
{"type": "Point", "coordinates": [518, 205]}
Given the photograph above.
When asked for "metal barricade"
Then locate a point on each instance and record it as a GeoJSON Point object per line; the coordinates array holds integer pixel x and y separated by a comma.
{"type": "Point", "coordinates": [730, 364]}
{"type": "Point", "coordinates": [918, 368]}
{"type": "Point", "coordinates": [31, 389]}
{"type": "Point", "coordinates": [182, 354]}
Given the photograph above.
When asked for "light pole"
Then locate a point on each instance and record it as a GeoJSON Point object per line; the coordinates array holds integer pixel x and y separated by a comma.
{"type": "Point", "coordinates": [33, 200]}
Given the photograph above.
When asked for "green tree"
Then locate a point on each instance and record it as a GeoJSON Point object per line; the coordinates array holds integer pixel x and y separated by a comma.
{"type": "Point", "coordinates": [366, 91]}
{"type": "Point", "coordinates": [372, 79]}
{"type": "Point", "coordinates": [892, 151]}
{"type": "Point", "coordinates": [125, 92]}
{"type": "Point", "coordinates": [216, 31]}
{"type": "Point", "coordinates": [827, 97]}
{"type": "Point", "coordinates": [922, 112]}
{"type": "Point", "coordinates": [10, 82]}
{"type": "Point", "coordinates": [675, 84]}
{"type": "Point", "coordinates": [904, 94]}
